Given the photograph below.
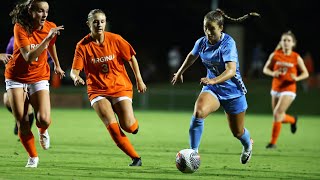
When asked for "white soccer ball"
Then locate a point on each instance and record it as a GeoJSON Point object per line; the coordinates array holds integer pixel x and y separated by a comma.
{"type": "Point", "coordinates": [187, 160]}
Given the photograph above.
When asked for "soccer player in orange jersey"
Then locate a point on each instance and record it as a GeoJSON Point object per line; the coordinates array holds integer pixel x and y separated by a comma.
{"type": "Point", "coordinates": [283, 65]}
{"type": "Point", "coordinates": [102, 56]}
{"type": "Point", "coordinates": [28, 72]}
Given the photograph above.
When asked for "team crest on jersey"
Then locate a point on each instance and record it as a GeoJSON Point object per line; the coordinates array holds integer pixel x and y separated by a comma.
{"type": "Point", "coordinates": [103, 59]}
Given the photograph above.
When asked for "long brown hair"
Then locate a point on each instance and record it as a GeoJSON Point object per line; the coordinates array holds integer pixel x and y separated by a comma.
{"type": "Point", "coordinates": [20, 13]}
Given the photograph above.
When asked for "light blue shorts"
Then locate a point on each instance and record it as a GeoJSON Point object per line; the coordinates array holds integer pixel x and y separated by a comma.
{"type": "Point", "coordinates": [231, 106]}
{"type": "Point", "coordinates": [235, 106]}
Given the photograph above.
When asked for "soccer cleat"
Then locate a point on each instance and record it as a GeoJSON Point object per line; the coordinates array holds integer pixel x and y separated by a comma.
{"type": "Point", "coordinates": [246, 154]}
{"type": "Point", "coordinates": [136, 162]}
{"type": "Point", "coordinates": [294, 125]}
{"type": "Point", "coordinates": [32, 162]}
{"type": "Point", "coordinates": [44, 140]}
{"type": "Point", "coordinates": [271, 146]}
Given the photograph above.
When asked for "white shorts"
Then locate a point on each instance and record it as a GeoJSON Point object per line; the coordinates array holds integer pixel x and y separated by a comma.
{"type": "Point", "coordinates": [287, 93]}
{"type": "Point", "coordinates": [29, 88]}
{"type": "Point", "coordinates": [113, 100]}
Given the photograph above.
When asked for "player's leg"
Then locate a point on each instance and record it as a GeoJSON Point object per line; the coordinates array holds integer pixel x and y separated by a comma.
{"type": "Point", "coordinates": [7, 105]}
{"type": "Point", "coordinates": [123, 108]}
{"type": "Point", "coordinates": [103, 108]}
{"type": "Point", "coordinates": [279, 113]}
{"type": "Point", "coordinates": [235, 111]}
{"type": "Point", "coordinates": [292, 120]}
{"type": "Point", "coordinates": [206, 103]}
{"type": "Point", "coordinates": [40, 101]}
{"type": "Point", "coordinates": [30, 115]}
{"type": "Point", "coordinates": [276, 126]}
{"type": "Point", "coordinates": [19, 105]}
{"type": "Point", "coordinates": [236, 124]}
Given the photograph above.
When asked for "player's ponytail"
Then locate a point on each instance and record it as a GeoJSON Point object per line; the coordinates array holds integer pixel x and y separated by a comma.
{"type": "Point", "coordinates": [218, 16]}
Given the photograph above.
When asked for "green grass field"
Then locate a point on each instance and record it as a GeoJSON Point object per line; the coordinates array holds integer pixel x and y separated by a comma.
{"type": "Point", "coordinates": [81, 148]}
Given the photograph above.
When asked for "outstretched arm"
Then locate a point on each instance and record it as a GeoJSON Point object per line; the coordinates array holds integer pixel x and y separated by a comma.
{"type": "Point", "coordinates": [190, 59]}
{"type": "Point", "coordinates": [32, 54]}
{"type": "Point", "coordinates": [135, 68]}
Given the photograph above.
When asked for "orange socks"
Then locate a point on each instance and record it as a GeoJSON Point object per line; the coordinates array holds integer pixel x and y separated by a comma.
{"type": "Point", "coordinates": [132, 128]}
{"type": "Point", "coordinates": [276, 128]}
{"type": "Point", "coordinates": [288, 119]}
{"type": "Point", "coordinates": [42, 130]}
{"type": "Point", "coordinates": [275, 132]}
{"type": "Point", "coordinates": [28, 143]}
{"type": "Point", "coordinates": [122, 140]}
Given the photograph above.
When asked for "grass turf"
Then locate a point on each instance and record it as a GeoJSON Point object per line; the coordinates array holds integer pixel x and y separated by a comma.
{"type": "Point", "coordinates": [81, 148]}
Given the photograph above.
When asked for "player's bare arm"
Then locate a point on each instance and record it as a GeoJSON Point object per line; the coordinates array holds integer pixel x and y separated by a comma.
{"type": "Point", "coordinates": [304, 72]}
{"type": "Point", "coordinates": [31, 54]}
{"type": "Point", "coordinates": [267, 68]}
{"type": "Point", "coordinates": [57, 68]}
{"type": "Point", "coordinates": [227, 74]}
{"type": "Point", "coordinates": [135, 68]}
{"type": "Point", "coordinates": [190, 59]}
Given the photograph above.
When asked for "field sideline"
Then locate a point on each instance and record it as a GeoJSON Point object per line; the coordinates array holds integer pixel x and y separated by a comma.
{"type": "Point", "coordinates": [81, 148]}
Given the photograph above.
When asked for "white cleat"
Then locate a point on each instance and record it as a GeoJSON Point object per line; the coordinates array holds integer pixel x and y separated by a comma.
{"type": "Point", "coordinates": [246, 154]}
{"type": "Point", "coordinates": [32, 162]}
{"type": "Point", "coordinates": [44, 140]}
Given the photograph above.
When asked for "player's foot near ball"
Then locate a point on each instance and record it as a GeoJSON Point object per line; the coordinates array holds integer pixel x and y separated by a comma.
{"type": "Point", "coordinates": [271, 146]}
{"type": "Point", "coordinates": [136, 162]}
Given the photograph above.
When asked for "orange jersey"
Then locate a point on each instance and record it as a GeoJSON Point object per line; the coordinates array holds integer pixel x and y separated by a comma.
{"type": "Point", "coordinates": [104, 65]}
{"type": "Point", "coordinates": [18, 69]}
{"type": "Point", "coordinates": [287, 65]}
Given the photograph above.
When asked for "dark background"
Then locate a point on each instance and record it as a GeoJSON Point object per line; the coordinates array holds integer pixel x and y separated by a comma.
{"type": "Point", "coordinates": [152, 27]}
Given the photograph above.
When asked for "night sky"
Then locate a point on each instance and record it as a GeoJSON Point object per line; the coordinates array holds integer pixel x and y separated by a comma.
{"type": "Point", "coordinates": [152, 27]}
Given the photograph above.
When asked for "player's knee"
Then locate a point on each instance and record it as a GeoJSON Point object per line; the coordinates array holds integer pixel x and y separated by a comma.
{"type": "Point", "coordinates": [44, 118]}
{"type": "Point", "coordinates": [200, 113]}
{"type": "Point", "coordinates": [130, 128]}
{"type": "Point", "coordinates": [278, 114]}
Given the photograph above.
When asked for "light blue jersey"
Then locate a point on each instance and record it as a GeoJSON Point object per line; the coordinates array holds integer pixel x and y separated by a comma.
{"type": "Point", "coordinates": [214, 58]}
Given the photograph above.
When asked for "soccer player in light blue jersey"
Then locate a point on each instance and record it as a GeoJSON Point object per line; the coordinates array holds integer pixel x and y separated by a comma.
{"type": "Point", "coordinates": [223, 84]}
